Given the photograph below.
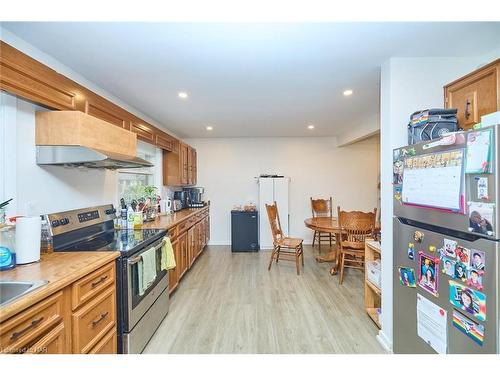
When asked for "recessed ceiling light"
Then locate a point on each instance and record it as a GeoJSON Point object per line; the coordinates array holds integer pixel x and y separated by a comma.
{"type": "Point", "coordinates": [210, 128]}
{"type": "Point", "coordinates": [182, 95]}
{"type": "Point", "coordinates": [348, 92]}
{"type": "Point", "coordinates": [310, 127]}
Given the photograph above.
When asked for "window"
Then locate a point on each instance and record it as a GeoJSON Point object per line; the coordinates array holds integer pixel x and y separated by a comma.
{"type": "Point", "coordinates": [131, 181]}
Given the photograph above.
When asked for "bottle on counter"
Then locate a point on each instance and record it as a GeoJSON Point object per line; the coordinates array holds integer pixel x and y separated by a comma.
{"type": "Point", "coordinates": [130, 218]}
{"type": "Point", "coordinates": [7, 248]}
{"type": "Point", "coordinates": [46, 244]}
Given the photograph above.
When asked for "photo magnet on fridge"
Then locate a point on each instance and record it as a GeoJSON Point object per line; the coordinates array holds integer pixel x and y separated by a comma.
{"type": "Point", "coordinates": [448, 249]}
{"type": "Point", "coordinates": [475, 278]}
{"type": "Point", "coordinates": [460, 271]}
{"type": "Point", "coordinates": [468, 327]}
{"type": "Point", "coordinates": [407, 277]}
{"type": "Point", "coordinates": [463, 254]}
{"type": "Point", "coordinates": [468, 300]}
{"type": "Point", "coordinates": [448, 266]}
{"type": "Point", "coordinates": [428, 273]}
{"type": "Point", "coordinates": [481, 217]}
{"type": "Point", "coordinates": [477, 260]}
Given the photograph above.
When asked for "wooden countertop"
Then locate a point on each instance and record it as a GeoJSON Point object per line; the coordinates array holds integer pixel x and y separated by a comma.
{"type": "Point", "coordinates": [171, 220]}
{"type": "Point", "coordinates": [59, 269]}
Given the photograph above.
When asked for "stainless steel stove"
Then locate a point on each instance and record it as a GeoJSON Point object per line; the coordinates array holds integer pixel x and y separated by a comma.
{"type": "Point", "coordinates": [92, 229]}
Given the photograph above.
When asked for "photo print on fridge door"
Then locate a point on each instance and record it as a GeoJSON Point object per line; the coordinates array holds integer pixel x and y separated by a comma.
{"type": "Point", "coordinates": [428, 273]}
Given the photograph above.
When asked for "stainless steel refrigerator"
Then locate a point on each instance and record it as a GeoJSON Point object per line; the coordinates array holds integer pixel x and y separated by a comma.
{"type": "Point", "coordinates": [446, 244]}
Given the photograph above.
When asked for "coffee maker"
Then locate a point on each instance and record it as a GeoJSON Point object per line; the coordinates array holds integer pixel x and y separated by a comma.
{"type": "Point", "coordinates": [181, 196]}
{"type": "Point", "coordinates": [194, 197]}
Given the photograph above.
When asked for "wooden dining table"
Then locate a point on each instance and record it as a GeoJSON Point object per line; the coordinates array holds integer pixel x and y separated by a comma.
{"type": "Point", "coordinates": [327, 225]}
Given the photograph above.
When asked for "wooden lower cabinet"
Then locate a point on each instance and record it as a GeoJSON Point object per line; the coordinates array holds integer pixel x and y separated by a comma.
{"type": "Point", "coordinates": [108, 344]}
{"type": "Point", "coordinates": [53, 342]}
{"type": "Point", "coordinates": [93, 321]}
{"type": "Point", "coordinates": [189, 238]}
{"type": "Point", "coordinates": [80, 318]}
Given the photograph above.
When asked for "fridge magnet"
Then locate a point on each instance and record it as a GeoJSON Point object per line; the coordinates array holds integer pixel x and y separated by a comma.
{"type": "Point", "coordinates": [432, 249]}
{"type": "Point", "coordinates": [463, 254]}
{"type": "Point", "coordinates": [448, 249]}
{"type": "Point", "coordinates": [428, 273]}
{"type": "Point", "coordinates": [448, 266]}
{"type": "Point", "coordinates": [477, 259]}
{"type": "Point", "coordinates": [468, 300]}
{"type": "Point", "coordinates": [411, 251]}
{"type": "Point", "coordinates": [482, 188]}
{"type": "Point", "coordinates": [481, 217]}
{"type": "Point", "coordinates": [418, 236]}
{"type": "Point", "coordinates": [475, 279]}
{"type": "Point", "coordinates": [468, 327]}
{"type": "Point", "coordinates": [397, 193]}
{"type": "Point", "coordinates": [398, 172]}
{"type": "Point", "coordinates": [460, 271]}
{"type": "Point", "coordinates": [407, 277]}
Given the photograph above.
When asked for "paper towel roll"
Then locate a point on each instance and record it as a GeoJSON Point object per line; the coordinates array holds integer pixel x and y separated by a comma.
{"type": "Point", "coordinates": [28, 231]}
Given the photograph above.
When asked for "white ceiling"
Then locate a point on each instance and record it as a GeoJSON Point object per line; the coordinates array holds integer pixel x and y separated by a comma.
{"type": "Point", "coordinates": [249, 79]}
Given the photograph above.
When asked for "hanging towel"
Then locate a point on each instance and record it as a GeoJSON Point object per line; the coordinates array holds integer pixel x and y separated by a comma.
{"type": "Point", "coordinates": [146, 269]}
{"type": "Point", "coordinates": [167, 255]}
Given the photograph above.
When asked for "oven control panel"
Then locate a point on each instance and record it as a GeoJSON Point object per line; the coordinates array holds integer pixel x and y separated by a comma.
{"type": "Point", "coordinates": [63, 222]}
{"type": "Point", "coordinates": [89, 215]}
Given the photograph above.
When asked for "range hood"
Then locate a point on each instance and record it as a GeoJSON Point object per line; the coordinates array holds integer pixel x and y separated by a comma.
{"type": "Point", "coordinates": [79, 156]}
{"type": "Point", "coordinates": [73, 138]}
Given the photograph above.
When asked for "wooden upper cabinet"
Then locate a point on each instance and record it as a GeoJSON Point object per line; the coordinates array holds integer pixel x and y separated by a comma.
{"type": "Point", "coordinates": [25, 77]}
{"type": "Point", "coordinates": [192, 166]}
{"type": "Point", "coordinates": [475, 94]}
{"type": "Point", "coordinates": [184, 163]}
{"type": "Point", "coordinates": [144, 132]}
{"type": "Point", "coordinates": [165, 142]}
{"type": "Point", "coordinates": [179, 166]}
{"type": "Point", "coordinates": [103, 110]}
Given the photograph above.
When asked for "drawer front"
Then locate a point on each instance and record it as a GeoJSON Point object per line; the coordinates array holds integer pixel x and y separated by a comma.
{"type": "Point", "coordinates": [25, 328]}
{"type": "Point", "coordinates": [173, 233]}
{"type": "Point", "coordinates": [53, 342]}
{"type": "Point", "coordinates": [86, 288]}
{"type": "Point", "coordinates": [182, 227]}
{"type": "Point", "coordinates": [93, 321]}
{"type": "Point", "coordinates": [108, 344]}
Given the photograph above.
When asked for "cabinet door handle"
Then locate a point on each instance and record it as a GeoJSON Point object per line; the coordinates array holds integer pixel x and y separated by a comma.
{"type": "Point", "coordinates": [102, 317]}
{"type": "Point", "coordinates": [32, 325]}
{"type": "Point", "coordinates": [467, 113]}
{"type": "Point", "coordinates": [95, 283]}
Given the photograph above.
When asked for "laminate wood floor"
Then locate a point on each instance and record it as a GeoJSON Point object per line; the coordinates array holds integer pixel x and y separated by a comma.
{"type": "Point", "coordinates": [230, 303]}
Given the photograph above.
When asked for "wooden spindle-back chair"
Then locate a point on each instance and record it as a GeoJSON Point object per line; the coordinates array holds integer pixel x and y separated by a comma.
{"type": "Point", "coordinates": [322, 208]}
{"type": "Point", "coordinates": [354, 227]}
{"type": "Point", "coordinates": [285, 247]}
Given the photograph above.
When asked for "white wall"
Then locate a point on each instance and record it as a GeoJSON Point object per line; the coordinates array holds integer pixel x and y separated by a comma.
{"type": "Point", "coordinates": [407, 85]}
{"type": "Point", "coordinates": [46, 189]}
{"type": "Point", "coordinates": [317, 167]}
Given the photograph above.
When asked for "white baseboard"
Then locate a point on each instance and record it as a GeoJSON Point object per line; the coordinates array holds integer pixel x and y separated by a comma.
{"type": "Point", "coordinates": [384, 341]}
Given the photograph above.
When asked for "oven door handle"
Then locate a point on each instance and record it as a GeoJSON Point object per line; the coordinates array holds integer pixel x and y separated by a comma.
{"type": "Point", "coordinates": [138, 258]}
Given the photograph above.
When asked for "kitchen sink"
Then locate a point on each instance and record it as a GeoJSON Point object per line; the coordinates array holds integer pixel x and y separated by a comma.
{"type": "Point", "coordinates": [11, 290]}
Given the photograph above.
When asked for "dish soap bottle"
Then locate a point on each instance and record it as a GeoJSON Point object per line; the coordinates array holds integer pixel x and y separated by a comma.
{"type": "Point", "coordinates": [7, 249]}
{"type": "Point", "coordinates": [130, 218]}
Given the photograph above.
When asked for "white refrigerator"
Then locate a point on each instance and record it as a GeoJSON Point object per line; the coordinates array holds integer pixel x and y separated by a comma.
{"type": "Point", "coordinates": [272, 189]}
